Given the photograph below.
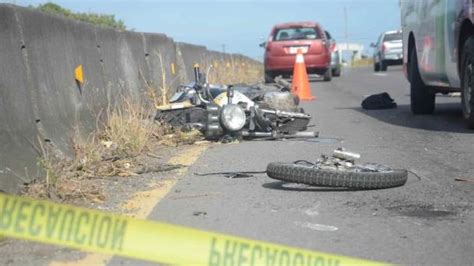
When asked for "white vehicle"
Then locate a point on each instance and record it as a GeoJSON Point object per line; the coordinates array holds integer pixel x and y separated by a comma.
{"type": "Point", "coordinates": [438, 38]}
{"type": "Point", "coordinates": [388, 50]}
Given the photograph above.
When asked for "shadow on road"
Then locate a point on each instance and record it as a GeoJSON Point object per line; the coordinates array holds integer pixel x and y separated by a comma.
{"type": "Point", "coordinates": [280, 185]}
{"type": "Point", "coordinates": [446, 118]}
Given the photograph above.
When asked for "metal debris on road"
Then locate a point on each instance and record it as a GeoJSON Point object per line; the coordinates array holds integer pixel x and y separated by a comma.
{"type": "Point", "coordinates": [232, 175]}
{"type": "Point", "coordinates": [199, 213]}
{"type": "Point", "coordinates": [468, 180]}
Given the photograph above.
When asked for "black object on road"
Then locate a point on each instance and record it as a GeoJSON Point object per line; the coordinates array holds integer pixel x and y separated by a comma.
{"type": "Point", "coordinates": [379, 101]}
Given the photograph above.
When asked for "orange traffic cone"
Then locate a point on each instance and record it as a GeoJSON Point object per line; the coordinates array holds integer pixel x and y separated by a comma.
{"type": "Point", "coordinates": [300, 85]}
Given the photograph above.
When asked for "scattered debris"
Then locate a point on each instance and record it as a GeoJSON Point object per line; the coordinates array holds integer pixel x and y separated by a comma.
{"type": "Point", "coordinates": [317, 227]}
{"type": "Point", "coordinates": [428, 211]}
{"type": "Point", "coordinates": [233, 174]}
{"type": "Point", "coordinates": [144, 169]}
{"type": "Point", "coordinates": [468, 180]}
{"type": "Point", "coordinates": [379, 101]}
{"type": "Point", "coordinates": [195, 196]}
{"type": "Point", "coordinates": [125, 146]}
{"type": "Point", "coordinates": [199, 213]}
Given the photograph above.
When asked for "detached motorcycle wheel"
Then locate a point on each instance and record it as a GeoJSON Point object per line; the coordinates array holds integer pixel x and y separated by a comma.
{"type": "Point", "coordinates": [309, 175]}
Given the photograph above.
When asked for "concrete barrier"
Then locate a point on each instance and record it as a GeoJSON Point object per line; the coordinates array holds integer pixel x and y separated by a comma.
{"type": "Point", "coordinates": [133, 63]}
{"type": "Point", "coordinates": [93, 95]}
{"type": "Point", "coordinates": [52, 56]}
{"type": "Point", "coordinates": [191, 55]}
{"type": "Point", "coordinates": [162, 62]}
{"type": "Point", "coordinates": [17, 122]}
{"type": "Point", "coordinates": [109, 47]}
{"type": "Point", "coordinates": [40, 101]}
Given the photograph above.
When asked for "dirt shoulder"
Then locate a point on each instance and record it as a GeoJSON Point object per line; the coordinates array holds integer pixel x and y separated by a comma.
{"type": "Point", "coordinates": [132, 195]}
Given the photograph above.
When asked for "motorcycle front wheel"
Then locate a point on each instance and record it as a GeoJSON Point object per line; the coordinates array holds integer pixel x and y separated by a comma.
{"type": "Point", "coordinates": [313, 176]}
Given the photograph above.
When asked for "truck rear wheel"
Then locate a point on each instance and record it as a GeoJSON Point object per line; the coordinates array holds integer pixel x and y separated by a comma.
{"type": "Point", "coordinates": [467, 82]}
{"type": "Point", "coordinates": [376, 67]}
{"type": "Point", "coordinates": [422, 97]}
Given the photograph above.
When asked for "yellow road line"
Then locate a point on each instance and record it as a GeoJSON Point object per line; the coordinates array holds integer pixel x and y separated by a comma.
{"type": "Point", "coordinates": [142, 203]}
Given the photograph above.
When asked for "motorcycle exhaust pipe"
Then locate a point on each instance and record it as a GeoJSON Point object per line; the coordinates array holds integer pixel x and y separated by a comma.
{"type": "Point", "coordinates": [257, 134]}
{"type": "Point", "coordinates": [286, 114]}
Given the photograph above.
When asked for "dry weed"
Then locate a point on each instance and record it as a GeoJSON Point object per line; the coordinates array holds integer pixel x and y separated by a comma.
{"type": "Point", "coordinates": [175, 137]}
{"type": "Point", "coordinates": [109, 151]}
{"type": "Point", "coordinates": [235, 72]}
{"type": "Point", "coordinates": [165, 87]}
{"type": "Point", "coordinates": [130, 127]}
{"type": "Point", "coordinates": [362, 62]}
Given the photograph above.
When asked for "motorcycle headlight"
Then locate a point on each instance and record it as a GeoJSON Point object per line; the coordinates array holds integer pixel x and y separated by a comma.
{"type": "Point", "coordinates": [233, 117]}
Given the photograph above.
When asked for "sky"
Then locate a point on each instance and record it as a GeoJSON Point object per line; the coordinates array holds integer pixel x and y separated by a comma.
{"type": "Point", "coordinates": [239, 26]}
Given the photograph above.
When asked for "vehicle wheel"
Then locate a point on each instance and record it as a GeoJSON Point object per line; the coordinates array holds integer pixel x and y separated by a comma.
{"type": "Point", "coordinates": [269, 77]}
{"type": "Point", "coordinates": [309, 175]}
{"type": "Point", "coordinates": [376, 67]}
{"type": "Point", "coordinates": [422, 97]}
{"type": "Point", "coordinates": [467, 82]}
{"type": "Point", "coordinates": [336, 72]}
{"type": "Point", "coordinates": [383, 66]}
{"type": "Point", "coordinates": [328, 75]}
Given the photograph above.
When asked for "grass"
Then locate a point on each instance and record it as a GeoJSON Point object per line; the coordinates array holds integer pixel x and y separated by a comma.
{"type": "Point", "coordinates": [128, 131]}
{"type": "Point", "coordinates": [111, 150]}
{"type": "Point", "coordinates": [115, 148]}
{"type": "Point", "coordinates": [129, 127]}
{"type": "Point", "coordinates": [363, 62]}
{"type": "Point", "coordinates": [235, 72]}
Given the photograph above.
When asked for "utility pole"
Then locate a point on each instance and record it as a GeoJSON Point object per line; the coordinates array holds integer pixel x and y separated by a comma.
{"type": "Point", "coordinates": [223, 48]}
{"type": "Point", "coordinates": [346, 31]}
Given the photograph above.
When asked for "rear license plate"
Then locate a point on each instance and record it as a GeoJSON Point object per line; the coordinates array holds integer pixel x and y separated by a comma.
{"type": "Point", "coordinates": [294, 49]}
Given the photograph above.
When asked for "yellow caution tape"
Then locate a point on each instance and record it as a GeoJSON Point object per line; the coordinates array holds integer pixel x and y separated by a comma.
{"type": "Point", "coordinates": [102, 232]}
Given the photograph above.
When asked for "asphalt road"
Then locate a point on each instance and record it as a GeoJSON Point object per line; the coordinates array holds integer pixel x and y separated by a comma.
{"type": "Point", "coordinates": [427, 221]}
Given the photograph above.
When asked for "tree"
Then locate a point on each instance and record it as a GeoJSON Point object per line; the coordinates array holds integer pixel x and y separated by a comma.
{"type": "Point", "coordinates": [93, 18]}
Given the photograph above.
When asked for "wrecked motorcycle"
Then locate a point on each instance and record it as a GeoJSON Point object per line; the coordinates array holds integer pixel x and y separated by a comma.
{"type": "Point", "coordinates": [234, 112]}
{"type": "Point", "coordinates": [339, 170]}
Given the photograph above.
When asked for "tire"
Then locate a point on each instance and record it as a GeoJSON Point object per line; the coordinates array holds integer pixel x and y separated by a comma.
{"type": "Point", "coordinates": [376, 67]}
{"type": "Point", "coordinates": [422, 97]}
{"type": "Point", "coordinates": [328, 75]}
{"type": "Point", "coordinates": [467, 82]}
{"type": "Point", "coordinates": [309, 175]}
{"type": "Point", "coordinates": [383, 66]}
{"type": "Point", "coordinates": [269, 77]}
{"type": "Point", "coordinates": [336, 72]}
